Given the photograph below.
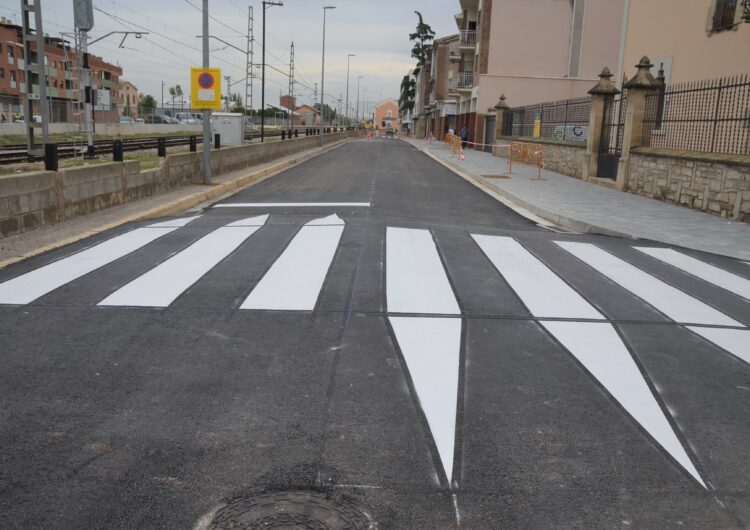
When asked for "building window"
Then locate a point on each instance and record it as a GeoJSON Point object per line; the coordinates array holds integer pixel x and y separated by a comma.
{"type": "Point", "coordinates": [724, 14]}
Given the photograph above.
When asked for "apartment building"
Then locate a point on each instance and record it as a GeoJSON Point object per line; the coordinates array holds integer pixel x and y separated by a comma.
{"type": "Point", "coordinates": [690, 40]}
{"type": "Point", "coordinates": [440, 106]}
{"type": "Point", "coordinates": [530, 51]}
{"type": "Point", "coordinates": [62, 83]}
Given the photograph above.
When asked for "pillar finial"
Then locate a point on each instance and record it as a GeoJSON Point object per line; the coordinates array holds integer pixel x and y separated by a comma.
{"type": "Point", "coordinates": [643, 77]}
{"type": "Point", "coordinates": [605, 86]}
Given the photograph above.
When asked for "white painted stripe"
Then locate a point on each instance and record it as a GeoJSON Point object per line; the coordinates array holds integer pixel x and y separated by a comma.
{"type": "Point", "coordinates": [719, 277]}
{"type": "Point", "coordinates": [735, 341]}
{"type": "Point", "coordinates": [543, 292]}
{"type": "Point", "coordinates": [160, 286]}
{"type": "Point", "coordinates": [291, 204]}
{"type": "Point", "coordinates": [598, 347]}
{"type": "Point", "coordinates": [415, 278]}
{"type": "Point", "coordinates": [331, 220]}
{"type": "Point", "coordinates": [174, 223]}
{"type": "Point", "coordinates": [258, 220]}
{"type": "Point", "coordinates": [674, 303]}
{"type": "Point", "coordinates": [30, 286]}
{"type": "Point", "coordinates": [294, 281]}
{"type": "Point", "coordinates": [431, 348]}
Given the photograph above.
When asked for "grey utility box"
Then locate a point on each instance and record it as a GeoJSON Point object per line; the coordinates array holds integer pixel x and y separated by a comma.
{"type": "Point", "coordinates": [231, 127]}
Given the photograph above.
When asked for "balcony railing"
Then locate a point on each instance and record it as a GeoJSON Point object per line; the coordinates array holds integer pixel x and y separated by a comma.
{"type": "Point", "coordinates": [468, 37]}
{"type": "Point", "coordinates": [465, 79]}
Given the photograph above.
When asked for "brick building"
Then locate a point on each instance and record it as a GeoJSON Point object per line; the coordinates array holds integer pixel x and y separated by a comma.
{"type": "Point", "coordinates": [127, 100]}
{"type": "Point", "coordinates": [440, 107]}
{"type": "Point", "coordinates": [63, 90]}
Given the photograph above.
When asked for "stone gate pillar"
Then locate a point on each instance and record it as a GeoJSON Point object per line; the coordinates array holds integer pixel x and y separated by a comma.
{"type": "Point", "coordinates": [500, 109]}
{"type": "Point", "coordinates": [603, 90]}
{"type": "Point", "coordinates": [634, 132]}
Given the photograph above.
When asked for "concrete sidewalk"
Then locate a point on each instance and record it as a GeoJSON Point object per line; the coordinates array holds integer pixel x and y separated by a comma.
{"type": "Point", "coordinates": [584, 207]}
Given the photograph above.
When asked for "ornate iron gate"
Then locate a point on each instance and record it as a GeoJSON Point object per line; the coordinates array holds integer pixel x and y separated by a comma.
{"type": "Point", "coordinates": [610, 141]}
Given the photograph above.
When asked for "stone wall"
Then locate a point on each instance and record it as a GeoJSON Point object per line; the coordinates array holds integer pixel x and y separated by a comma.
{"type": "Point", "coordinates": [29, 200]}
{"type": "Point", "coordinates": [563, 157]}
{"type": "Point", "coordinates": [715, 183]}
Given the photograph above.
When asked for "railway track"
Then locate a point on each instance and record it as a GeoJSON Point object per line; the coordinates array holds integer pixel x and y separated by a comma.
{"type": "Point", "coordinates": [17, 153]}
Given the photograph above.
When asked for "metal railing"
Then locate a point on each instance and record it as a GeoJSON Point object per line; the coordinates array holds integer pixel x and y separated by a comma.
{"type": "Point", "coordinates": [559, 120]}
{"type": "Point", "coordinates": [465, 79]}
{"type": "Point", "coordinates": [468, 37]}
{"type": "Point", "coordinates": [712, 116]}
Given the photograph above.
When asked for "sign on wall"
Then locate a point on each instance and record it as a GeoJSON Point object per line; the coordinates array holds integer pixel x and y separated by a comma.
{"type": "Point", "coordinates": [103, 99]}
{"type": "Point", "coordinates": [205, 88]}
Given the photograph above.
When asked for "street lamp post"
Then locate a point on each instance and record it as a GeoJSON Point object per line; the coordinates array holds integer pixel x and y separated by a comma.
{"type": "Point", "coordinates": [347, 86]}
{"type": "Point", "coordinates": [356, 116]}
{"type": "Point", "coordinates": [266, 5]}
{"type": "Point", "coordinates": [323, 72]}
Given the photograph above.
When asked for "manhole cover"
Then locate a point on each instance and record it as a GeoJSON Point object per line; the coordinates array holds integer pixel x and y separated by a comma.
{"type": "Point", "coordinates": [287, 510]}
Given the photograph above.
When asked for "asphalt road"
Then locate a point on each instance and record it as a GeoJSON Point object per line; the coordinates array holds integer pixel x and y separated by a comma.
{"type": "Point", "coordinates": [422, 352]}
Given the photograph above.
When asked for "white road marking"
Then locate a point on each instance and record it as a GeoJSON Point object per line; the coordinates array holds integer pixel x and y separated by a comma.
{"type": "Point", "coordinates": [543, 292]}
{"type": "Point", "coordinates": [30, 286]}
{"type": "Point", "coordinates": [415, 278]}
{"type": "Point", "coordinates": [258, 220]}
{"type": "Point", "coordinates": [174, 223]}
{"type": "Point", "coordinates": [735, 341]}
{"type": "Point", "coordinates": [431, 347]}
{"type": "Point", "coordinates": [704, 271]}
{"type": "Point", "coordinates": [674, 303]}
{"type": "Point", "coordinates": [598, 347]}
{"type": "Point", "coordinates": [291, 204]}
{"type": "Point", "coordinates": [294, 281]}
{"type": "Point", "coordinates": [160, 286]}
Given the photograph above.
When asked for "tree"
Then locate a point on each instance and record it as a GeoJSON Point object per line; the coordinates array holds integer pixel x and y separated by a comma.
{"type": "Point", "coordinates": [173, 93]}
{"type": "Point", "coordinates": [146, 101]}
{"type": "Point", "coordinates": [421, 39]}
{"type": "Point", "coordinates": [408, 92]}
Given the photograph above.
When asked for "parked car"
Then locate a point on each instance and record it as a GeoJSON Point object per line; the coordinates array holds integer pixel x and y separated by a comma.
{"type": "Point", "coordinates": [159, 119]}
{"type": "Point", "coordinates": [189, 117]}
{"type": "Point", "coordinates": [127, 119]}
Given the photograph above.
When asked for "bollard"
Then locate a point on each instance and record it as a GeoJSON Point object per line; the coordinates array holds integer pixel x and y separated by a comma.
{"type": "Point", "coordinates": [289, 134]}
{"type": "Point", "coordinates": [296, 133]}
{"type": "Point", "coordinates": [161, 146]}
{"type": "Point", "coordinates": [217, 141]}
{"type": "Point", "coordinates": [193, 144]}
{"type": "Point", "coordinates": [50, 157]}
{"type": "Point", "coordinates": [283, 134]}
{"type": "Point", "coordinates": [117, 154]}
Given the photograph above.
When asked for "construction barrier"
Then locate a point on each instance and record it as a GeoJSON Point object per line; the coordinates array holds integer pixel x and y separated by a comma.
{"type": "Point", "coordinates": [523, 153]}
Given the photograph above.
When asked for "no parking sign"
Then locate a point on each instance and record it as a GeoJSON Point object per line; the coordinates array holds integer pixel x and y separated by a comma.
{"type": "Point", "coordinates": [205, 88]}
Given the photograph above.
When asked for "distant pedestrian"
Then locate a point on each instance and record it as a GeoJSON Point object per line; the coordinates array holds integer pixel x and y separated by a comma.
{"type": "Point", "coordinates": [451, 131]}
{"type": "Point", "coordinates": [464, 137]}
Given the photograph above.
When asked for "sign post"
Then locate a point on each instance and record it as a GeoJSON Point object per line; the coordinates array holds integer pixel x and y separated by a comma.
{"type": "Point", "coordinates": [201, 96]}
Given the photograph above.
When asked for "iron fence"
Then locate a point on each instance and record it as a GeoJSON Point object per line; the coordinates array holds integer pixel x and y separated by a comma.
{"type": "Point", "coordinates": [560, 120]}
{"type": "Point", "coordinates": [710, 116]}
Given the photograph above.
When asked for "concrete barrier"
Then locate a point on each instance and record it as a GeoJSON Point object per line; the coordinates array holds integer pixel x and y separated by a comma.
{"type": "Point", "coordinates": [108, 129]}
{"type": "Point", "coordinates": [29, 200]}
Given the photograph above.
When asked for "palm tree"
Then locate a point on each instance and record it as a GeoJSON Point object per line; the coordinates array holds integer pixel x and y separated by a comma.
{"type": "Point", "coordinates": [178, 92]}
{"type": "Point", "coordinates": [173, 93]}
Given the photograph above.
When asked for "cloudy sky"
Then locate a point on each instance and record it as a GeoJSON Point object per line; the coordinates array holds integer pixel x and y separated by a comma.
{"type": "Point", "coordinates": [377, 31]}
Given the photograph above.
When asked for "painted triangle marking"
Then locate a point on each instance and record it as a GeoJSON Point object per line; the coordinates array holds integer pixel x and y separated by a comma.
{"type": "Point", "coordinates": [598, 347]}
{"type": "Point", "coordinates": [431, 347]}
{"type": "Point", "coordinates": [258, 220]}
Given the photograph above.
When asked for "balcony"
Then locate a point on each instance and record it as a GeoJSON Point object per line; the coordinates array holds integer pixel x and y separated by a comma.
{"type": "Point", "coordinates": [454, 53]}
{"type": "Point", "coordinates": [465, 80]}
{"type": "Point", "coordinates": [453, 88]}
{"type": "Point", "coordinates": [468, 39]}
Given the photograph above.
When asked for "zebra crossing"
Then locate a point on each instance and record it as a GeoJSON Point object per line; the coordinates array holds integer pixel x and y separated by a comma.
{"type": "Point", "coordinates": [423, 308]}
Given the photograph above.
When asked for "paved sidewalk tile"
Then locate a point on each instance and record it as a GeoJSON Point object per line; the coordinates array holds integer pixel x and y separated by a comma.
{"type": "Point", "coordinates": [587, 207]}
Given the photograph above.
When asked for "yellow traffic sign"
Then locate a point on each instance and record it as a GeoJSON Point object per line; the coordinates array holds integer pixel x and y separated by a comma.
{"type": "Point", "coordinates": [205, 88]}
